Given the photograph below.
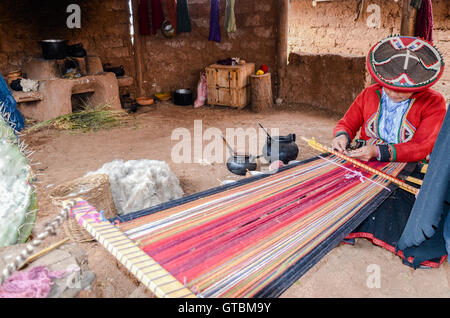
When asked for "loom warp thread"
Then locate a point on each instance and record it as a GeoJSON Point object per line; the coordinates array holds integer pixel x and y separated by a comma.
{"type": "Point", "coordinates": [236, 242]}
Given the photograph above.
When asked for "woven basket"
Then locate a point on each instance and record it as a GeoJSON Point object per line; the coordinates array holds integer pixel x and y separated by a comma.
{"type": "Point", "coordinates": [96, 190]}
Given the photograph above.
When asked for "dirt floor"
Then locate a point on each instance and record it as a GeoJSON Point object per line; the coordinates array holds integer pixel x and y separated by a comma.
{"type": "Point", "coordinates": [344, 272]}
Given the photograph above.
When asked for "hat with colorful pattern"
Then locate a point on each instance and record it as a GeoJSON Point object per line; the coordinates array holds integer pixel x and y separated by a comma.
{"type": "Point", "coordinates": [405, 63]}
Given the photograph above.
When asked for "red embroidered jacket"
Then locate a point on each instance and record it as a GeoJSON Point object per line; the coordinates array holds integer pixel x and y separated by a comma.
{"type": "Point", "coordinates": [418, 131]}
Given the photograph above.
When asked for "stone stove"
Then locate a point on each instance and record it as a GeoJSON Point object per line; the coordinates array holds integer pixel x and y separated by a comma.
{"type": "Point", "coordinates": [54, 97]}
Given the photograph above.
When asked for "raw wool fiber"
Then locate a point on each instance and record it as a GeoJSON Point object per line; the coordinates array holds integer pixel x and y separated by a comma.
{"type": "Point", "coordinates": [139, 184]}
{"type": "Point", "coordinates": [34, 283]}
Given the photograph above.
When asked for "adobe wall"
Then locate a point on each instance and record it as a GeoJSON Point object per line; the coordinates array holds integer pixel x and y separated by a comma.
{"type": "Point", "coordinates": [335, 28]}
{"type": "Point", "coordinates": [326, 80]}
{"type": "Point", "coordinates": [168, 63]}
{"type": "Point", "coordinates": [176, 63]}
{"type": "Point", "coordinates": [104, 30]}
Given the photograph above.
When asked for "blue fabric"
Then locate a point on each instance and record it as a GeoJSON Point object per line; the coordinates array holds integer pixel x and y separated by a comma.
{"type": "Point", "coordinates": [447, 234]}
{"type": "Point", "coordinates": [391, 118]}
{"type": "Point", "coordinates": [8, 105]}
{"type": "Point", "coordinates": [433, 200]}
{"type": "Point", "coordinates": [388, 223]}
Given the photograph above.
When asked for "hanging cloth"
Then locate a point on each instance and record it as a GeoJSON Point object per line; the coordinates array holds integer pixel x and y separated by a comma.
{"type": "Point", "coordinates": [183, 18]}
{"type": "Point", "coordinates": [214, 26]}
{"type": "Point", "coordinates": [230, 19]}
{"type": "Point", "coordinates": [144, 19]}
{"type": "Point", "coordinates": [424, 21]}
{"type": "Point", "coordinates": [157, 15]}
{"type": "Point", "coordinates": [171, 7]}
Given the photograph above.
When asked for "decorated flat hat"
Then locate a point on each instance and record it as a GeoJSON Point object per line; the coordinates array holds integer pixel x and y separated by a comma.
{"type": "Point", "coordinates": [405, 63]}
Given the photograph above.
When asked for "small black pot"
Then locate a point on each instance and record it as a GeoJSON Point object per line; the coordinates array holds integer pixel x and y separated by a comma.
{"type": "Point", "coordinates": [183, 97]}
{"type": "Point", "coordinates": [239, 164]}
{"type": "Point", "coordinates": [287, 148]}
{"type": "Point", "coordinates": [118, 71]}
{"type": "Point", "coordinates": [54, 49]}
{"type": "Point", "coordinates": [16, 85]}
{"type": "Point", "coordinates": [76, 50]}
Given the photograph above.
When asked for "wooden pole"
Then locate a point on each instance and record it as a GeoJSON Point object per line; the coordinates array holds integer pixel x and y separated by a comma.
{"type": "Point", "coordinates": [137, 50]}
{"type": "Point", "coordinates": [283, 32]}
{"type": "Point", "coordinates": [408, 22]}
{"type": "Point", "coordinates": [34, 257]}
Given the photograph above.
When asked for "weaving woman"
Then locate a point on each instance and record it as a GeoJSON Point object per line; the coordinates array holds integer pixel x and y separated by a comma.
{"type": "Point", "coordinates": [399, 119]}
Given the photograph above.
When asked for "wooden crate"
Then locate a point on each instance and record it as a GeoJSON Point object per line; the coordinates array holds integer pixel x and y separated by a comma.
{"type": "Point", "coordinates": [229, 85]}
{"type": "Point", "coordinates": [233, 97]}
{"type": "Point", "coordinates": [229, 76]}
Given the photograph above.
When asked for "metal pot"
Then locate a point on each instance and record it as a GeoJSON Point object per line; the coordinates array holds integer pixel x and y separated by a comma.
{"type": "Point", "coordinates": [76, 50]}
{"type": "Point", "coordinates": [287, 148]}
{"type": "Point", "coordinates": [118, 71]}
{"type": "Point", "coordinates": [239, 164]}
{"type": "Point", "coordinates": [54, 49]}
{"type": "Point", "coordinates": [183, 97]}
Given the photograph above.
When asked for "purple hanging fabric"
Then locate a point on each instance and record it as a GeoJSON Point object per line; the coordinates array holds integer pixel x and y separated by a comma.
{"type": "Point", "coordinates": [424, 21]}
{"type": "Point", "coordinates": [214, 23]}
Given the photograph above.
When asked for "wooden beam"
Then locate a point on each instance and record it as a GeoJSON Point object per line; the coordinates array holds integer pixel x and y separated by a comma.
{"type": "Point", "coordinates": [283, 31]}
{"type": "Point", "coordinates": [408, 22]}
{"type": "Point", "coordinates": [139, 43]}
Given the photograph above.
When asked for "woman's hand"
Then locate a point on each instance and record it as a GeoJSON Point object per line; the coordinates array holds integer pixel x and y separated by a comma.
{"type": "Point", "coordinates": [364, 153]}
{"type": "Point", "coordinates": [340, 143]}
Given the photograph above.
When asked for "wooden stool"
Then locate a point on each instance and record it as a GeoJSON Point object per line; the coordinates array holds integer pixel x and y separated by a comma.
{"type": "Point", "coordinates": [262, 98]}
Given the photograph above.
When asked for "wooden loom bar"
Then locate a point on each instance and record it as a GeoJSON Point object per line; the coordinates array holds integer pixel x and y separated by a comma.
{"type": "Point", "coordinates": [159, 281]}
{"type": "Point", "coordinates": [424, 169]}
{"type": "Point", "coordinates": [401, 184]}
{"type": "Point", "coordinates": [414, 180]}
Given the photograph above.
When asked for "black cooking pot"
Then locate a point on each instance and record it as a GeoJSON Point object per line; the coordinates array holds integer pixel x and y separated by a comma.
{"type": "Point", "coordinates": [16, 85]}
{"type": "Point", "coordinates": [183, 97]}
{"type": "Point", "coordinates": [54, 49]}
{"type": "Point", "coordinates": [76, 50]}
{"type": "Point", "coordinates": [287, 148]}
{"type": "Point", "coordinates": [239, 164]}
{"type": "Point", "coordinates": [117, 70]}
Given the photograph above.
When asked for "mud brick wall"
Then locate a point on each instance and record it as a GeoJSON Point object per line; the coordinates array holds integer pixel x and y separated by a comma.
{"type": "Point", "coordinates": [441, 34]}
{"type": "Point", "coordinates": [173, 63]}
{"type": "Point", "coordinates": [329, 81]}
{"type": "Point", "coordinates": [104, 30]}
{"type": "Point", "coordinates": [177, 63]}
{"type": "Point", "coordinates": [168, 63]}
{"type": "Point", "coordinates": [332, 27]}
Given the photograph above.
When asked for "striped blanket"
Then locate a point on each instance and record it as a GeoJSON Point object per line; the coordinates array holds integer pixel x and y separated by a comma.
{"type": "Point", "coordinates": [251, 239]}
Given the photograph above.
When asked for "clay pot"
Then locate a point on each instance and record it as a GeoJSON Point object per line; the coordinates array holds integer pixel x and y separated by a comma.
{"type": "Point", "coordinates": [144, 101]}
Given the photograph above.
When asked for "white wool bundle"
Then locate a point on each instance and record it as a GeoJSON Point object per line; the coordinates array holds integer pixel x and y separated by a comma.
{"type": "Point", "coordinates": [140, 184]}
{"type": "Point", "coordinates": [29, 85]}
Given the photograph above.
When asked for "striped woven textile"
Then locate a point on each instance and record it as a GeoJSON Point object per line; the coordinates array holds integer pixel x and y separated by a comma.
{"type": "Point", "coordinates": [254, 238]}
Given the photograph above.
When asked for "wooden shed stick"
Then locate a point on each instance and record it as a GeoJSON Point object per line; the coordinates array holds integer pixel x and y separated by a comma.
{"type": "Point", "coordinates": [401, 184]}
